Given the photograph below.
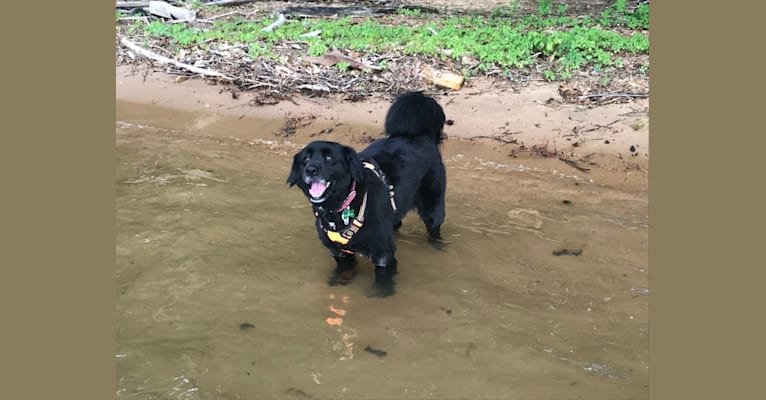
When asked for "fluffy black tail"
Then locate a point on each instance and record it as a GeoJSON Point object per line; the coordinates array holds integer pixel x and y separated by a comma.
{"type": "Point", "coordinates": [413, 114]}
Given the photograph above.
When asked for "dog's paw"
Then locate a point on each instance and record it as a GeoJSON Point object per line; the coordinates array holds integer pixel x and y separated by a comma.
{"type": "Point", "coordinates": [438, 243]}
{"type": "Point", "coordinates": [384, 283]}
{"type": "Point", "coordinates": [381, 290]}
{"type": "Point", "coordinates": [341, 277]}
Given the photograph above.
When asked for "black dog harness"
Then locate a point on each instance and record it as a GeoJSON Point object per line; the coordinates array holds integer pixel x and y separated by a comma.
{"type": "Point", "coordinates": [343, 236]}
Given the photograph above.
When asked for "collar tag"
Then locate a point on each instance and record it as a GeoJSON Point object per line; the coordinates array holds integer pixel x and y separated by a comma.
{"type": "Point", "coordinates": [347, 214]}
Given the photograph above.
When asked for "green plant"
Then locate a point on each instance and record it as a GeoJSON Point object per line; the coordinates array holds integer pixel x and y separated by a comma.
{"type": "Point", "coordinates": [617, 15]}
{"type": "Point", "coordinates": [639, 18]}
{"type": "Point", "coordinates": [563, 44]}
{"type": "Point", "coordinates": [342, 66]}
{"type": "Point", "coordinates": [261, 50]}
{"type": "Point", "coordinates": [544, 7]}
{"type": "Point", "coordinates": [413, 12]}
{"type": "Point", "coordinates": [505, 11]}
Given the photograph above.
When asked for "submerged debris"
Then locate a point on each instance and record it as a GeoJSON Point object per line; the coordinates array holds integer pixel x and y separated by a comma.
{"type": "Point", "coordinates": [246, 326]}
{"type": "Point", "coordinates": [379, 353]}
{"type": "Point", "coordinates": [567, 252]}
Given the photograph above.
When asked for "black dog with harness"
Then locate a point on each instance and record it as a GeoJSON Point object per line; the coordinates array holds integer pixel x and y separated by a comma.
{"type": "Point", "coordinates": [341, 237]}
{"type": "Point", "coordinates": [355, 205]}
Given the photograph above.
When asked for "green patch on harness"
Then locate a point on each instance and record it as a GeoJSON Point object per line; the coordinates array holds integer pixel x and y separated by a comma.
{"type": "Point", "coordinates": [347, 214]}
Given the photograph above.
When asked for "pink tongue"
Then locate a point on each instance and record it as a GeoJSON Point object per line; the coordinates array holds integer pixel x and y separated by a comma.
{"type": "Point", "coordinates": [317, 189]}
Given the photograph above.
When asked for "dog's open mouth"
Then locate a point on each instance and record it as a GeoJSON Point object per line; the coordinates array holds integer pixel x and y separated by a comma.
{"type": "Point", "coordinates": [317, 190]}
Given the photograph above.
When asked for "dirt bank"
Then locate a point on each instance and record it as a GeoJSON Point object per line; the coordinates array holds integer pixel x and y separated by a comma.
{"type": "Point", "coordinates": [528, 123]}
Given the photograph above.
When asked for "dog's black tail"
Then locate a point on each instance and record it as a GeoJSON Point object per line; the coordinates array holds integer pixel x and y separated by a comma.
{"type": "Point", "coordinates": [413, 114]}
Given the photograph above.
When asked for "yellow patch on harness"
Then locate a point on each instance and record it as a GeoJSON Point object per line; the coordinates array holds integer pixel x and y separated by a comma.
{"type": "Point", "coordinates": [336, 237]}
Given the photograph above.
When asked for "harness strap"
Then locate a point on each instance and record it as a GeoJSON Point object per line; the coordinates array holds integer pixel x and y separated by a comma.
{"type": "Point", "coordinates": [374, 168]}
{"type": "Point", "coordinates": [345, 235]}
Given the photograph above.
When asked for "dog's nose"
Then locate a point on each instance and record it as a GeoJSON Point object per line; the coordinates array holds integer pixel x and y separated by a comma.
{"type": "Point", "coordinates": [312, 170]}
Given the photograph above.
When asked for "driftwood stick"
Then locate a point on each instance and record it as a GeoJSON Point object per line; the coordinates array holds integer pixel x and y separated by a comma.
{"type": "Point", "coordinates": [607, 95]}
{"type": "Point", "coordinates": [227, 2]}
{"type": "Point", "coordinates": [231, 13]}
{"type": "Point", "coordinates": [146, 53]}
{"type": "Point", "coordinates": [138, 4]}
{"type": "Point", "coordinates": [133, 4]}
{"type": "Point", "coordinates": [165, 10]}
{"type": "Point", "coordinates": [276, 23]}
{"type": "Point", "coordinates": [574, 164]}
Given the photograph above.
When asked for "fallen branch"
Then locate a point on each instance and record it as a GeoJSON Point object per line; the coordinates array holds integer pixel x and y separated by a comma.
{"type": "Point", "coordinates": [598, 126]}
{"type": "Point", "coordinates": [165, 10]}
{"type": "Point", "coordinates": [227, 2]}
{"type": "Point", "coordinates": [132, 4]}
{"type": "Point", "coordinates": [154, 56]}
{"type": "Point", "coordinates": [315, 33]}
{"type": "Point", "coordinates": [315, 88]}
{"type": "Point", "coordinates": [574, 164]}
{"type": "Point", "coordinates": [146, 19]}
{"type": "Point", "coordinates": [276, 23]}
{"type": "Point", "coordinates": [608, 95]}
{"type": "Point", "coordinates": [220, 3]}
{"type": "Point", "coordinates": [232, 13]}
{"type": "Point", "coordinates": [498, 138]}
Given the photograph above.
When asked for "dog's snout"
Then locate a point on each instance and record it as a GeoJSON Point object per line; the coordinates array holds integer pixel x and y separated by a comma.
{"type": "Point", "coordinates": [312, 170]}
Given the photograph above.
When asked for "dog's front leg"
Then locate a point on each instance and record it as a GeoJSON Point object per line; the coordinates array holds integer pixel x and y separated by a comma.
{"type": "Point", "coordinates": [385, 269]}
{"type": "Point", "coordinates": [345, 270]}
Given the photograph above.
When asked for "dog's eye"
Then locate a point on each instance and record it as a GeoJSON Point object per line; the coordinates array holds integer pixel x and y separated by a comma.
{"type": "Point", "coordinates": [328, 157]}
{"type": "Point", "coordinates": [306, 158]}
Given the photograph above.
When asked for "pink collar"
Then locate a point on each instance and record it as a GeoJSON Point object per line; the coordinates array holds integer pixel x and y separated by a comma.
{"type": "Point", "coordinates": [350, 197]}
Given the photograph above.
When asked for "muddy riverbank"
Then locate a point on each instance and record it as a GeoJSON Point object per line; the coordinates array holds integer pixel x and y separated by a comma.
{"type": "Point", "coordinates": [221, 282]}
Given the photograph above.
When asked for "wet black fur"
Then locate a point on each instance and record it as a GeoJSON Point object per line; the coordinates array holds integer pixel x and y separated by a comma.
{"type": "Point", "coordinates": [410, 158]}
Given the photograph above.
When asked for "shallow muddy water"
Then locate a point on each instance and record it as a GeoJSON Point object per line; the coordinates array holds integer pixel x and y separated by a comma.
{"type": "Point", "coordinates": [222, 293]}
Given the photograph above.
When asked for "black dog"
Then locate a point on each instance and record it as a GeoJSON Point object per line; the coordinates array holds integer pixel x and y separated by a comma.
{"type": "Point", "coordinates": [360, 199]}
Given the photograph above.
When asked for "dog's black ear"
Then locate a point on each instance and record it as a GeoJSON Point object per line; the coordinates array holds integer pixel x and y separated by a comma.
{"type": "Point", "coordinates": [354, 163]}
{"type": "Point", "coordinates": [295, 172]}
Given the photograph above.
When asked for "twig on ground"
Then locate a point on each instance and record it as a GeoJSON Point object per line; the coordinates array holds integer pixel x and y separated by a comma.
{"type": "Point", "coordinates": [574, 164]}
{"type": "Point", "coordinates": [231, 13]}
{"type": "Point", "coordinates": [315, 88]}
{"type": "Point", "coordinates": [498, 138]}
{"type": "Point", "coordinates": [142, 18]}
{"type": "Point", "coordinates": [132, 4]}
{"type": "Point", "coordinates": [281, 20]}
{"type": "Point", "coordinates": [222, 3]}
{"type": "Point", "coordinates": [645, 111]}
{"type": "Point", "coordinates": [166, 10]}
{"type": "Point", "coordinates": [609, 95]}
{"type": "Point", "coordinates": [154, 56]}
{"type": "Point", "coordinates": [312, 33]}
{"type": "Point", "coordinates": [598, 126]}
